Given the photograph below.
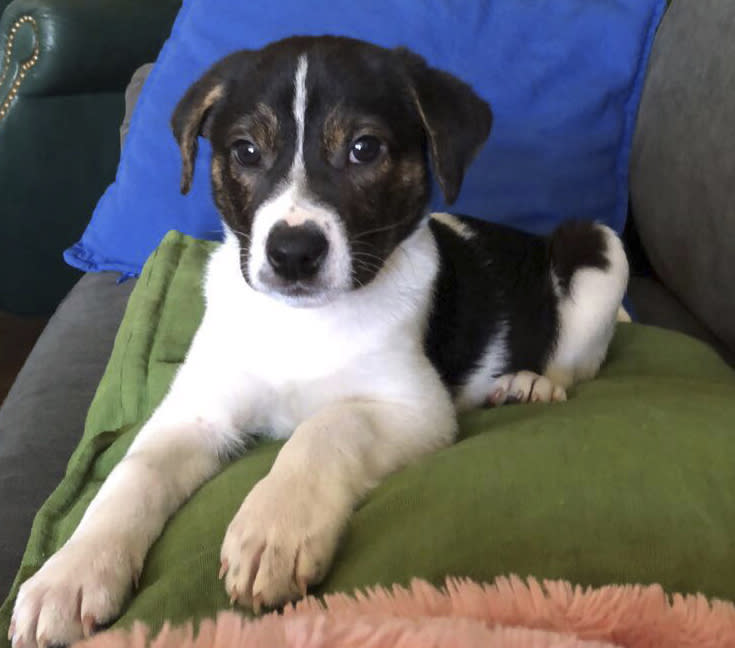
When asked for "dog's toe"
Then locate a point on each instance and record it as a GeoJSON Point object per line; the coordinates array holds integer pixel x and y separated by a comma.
{"type": "Point", "coordinates": [278, 544]}
{"type": "Point", "coordinates": [524, 387]}
{"type": "Point", "coordinates": [499, 391]}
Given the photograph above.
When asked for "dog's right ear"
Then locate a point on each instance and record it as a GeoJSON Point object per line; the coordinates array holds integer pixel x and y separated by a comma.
{"type": "Point", "coordinates": [192, 115]}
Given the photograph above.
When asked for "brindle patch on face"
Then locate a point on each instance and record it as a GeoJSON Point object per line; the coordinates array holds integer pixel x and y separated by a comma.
{"type": "Point", "coordinates": [402, 191]}
{"type": "Point", "coordinates": [218, 184]}
{"type": "Point", "coordinates": [343, 126]}
{"type": "Point", "coordinates": [260, 127]}
{"type": "Point", "coordinates": [367, 178]}
{"type": "Point", "coordinates": [263, 126]}
{"type": "Point", "coordinates": [379, 202]}
{"type": "Point", "coordinates": [334, 135]}
{"type": "Point", "coordinates": [221, 194]}
{"type": "Point", "coordinates": [244, 179]}
{"type": "Point", "coordinates": [411, 172]}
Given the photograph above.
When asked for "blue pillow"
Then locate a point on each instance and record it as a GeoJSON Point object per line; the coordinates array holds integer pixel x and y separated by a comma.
{"type": "Point", "coordinates": [564, 80]}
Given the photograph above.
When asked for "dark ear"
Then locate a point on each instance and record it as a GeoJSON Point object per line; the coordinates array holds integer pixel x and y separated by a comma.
{"type": "Point", "coordinates": [456, 120]}
{"type": "Point", "coordinates": [192, 114]}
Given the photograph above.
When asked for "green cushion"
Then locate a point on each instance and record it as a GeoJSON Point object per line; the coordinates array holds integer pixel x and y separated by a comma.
{"type": "Point", "coordinates": [630, 480]}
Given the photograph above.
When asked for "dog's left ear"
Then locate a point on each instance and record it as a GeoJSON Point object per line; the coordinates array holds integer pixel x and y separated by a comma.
{"type": "Point", "coordinates": [456, 120]}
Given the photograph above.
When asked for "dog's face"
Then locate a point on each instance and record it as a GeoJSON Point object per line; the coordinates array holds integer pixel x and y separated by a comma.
{"type": "Point", "coordinates": [320, 150]}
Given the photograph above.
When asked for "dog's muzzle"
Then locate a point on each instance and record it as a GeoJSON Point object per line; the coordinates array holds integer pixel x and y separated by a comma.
{"type": "Point", "coordinates": [296, 253]}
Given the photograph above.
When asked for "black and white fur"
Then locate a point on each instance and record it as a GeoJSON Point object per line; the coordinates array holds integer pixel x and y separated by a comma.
{"type": "Point", "coordinates": [339, 315]}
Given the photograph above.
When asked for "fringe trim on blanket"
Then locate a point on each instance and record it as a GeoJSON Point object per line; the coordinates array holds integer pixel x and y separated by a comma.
{"type": "Point", "coordinates": [511, 613]}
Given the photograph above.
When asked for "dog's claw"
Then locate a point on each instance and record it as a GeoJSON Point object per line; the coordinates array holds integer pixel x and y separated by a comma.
{"type": "Point", "coordinates": [257, 603]}
{"type": "Point", "coordinates": [498, 396]}
{"type": "Point", "coordinates": [301, 584]}
{"type": "Point", "coordinates": [224, 566]}
{"type": "Point", "coordinates": [88, 626]}
{"type": "Point", "coordinates": [233, 595]}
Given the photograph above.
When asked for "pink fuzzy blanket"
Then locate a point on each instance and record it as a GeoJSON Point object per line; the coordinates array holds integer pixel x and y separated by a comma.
{"type": "Point", "coordinates": [510, 613]}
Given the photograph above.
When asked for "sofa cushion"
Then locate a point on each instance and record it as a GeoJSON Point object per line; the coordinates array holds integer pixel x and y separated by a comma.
{"type": "Point", "coordinates": [564, 80]}
{"type": "Point", "coordinates": [683, 166]}
{"type": "Point", "coordinates": [132, 92]}
{"type": "Point", "coordinates": [629, 480]}
{"type": "Point", "coordinates": [42, 418]}
{"type": "Point", "coordinates": [654, 304]}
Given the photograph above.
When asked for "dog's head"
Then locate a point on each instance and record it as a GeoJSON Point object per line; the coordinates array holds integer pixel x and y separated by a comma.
{"type": "Point", "coordinates": [320, 152]}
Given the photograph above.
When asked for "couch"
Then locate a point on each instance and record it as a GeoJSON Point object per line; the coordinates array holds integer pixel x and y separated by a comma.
{"type": "Point", "coordinates": [62, 123]}
{"type": "Point", "coordinates": [63, 73]}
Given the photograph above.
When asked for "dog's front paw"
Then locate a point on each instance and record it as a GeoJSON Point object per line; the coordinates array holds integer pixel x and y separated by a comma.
{"type": "Point", "coordinates": [524, 387]}
{"type": "Point", "coordinates": [79, 588]}
{"type": "Point", "coordinates": [281, 541]}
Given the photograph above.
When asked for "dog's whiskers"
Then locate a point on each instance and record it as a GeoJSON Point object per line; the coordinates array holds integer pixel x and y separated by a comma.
{"type": "Point", "coordinates": [383, 228]}
{"type": "Point", "coordinates": [366, 264]}
{"type": "Point", "coordinates": [359, 254]}
{"type": "Point", "coordinates": [245, 235]}
{"type": "Point", "coordinates": [372, 259]}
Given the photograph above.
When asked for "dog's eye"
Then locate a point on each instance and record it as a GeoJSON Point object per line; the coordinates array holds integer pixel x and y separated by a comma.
{"type": "Point", "coordinates": [246, 153]}
{"type": "Point", "coordinates": [365, 149]}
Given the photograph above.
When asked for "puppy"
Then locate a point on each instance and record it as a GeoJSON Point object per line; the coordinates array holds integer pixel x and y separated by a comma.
{"type": "Point", "coordinates": [339, 315]}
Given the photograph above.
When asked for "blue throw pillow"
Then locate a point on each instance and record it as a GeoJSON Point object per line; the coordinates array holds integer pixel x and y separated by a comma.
{"type": "Point", "coordinates": [563, 78]}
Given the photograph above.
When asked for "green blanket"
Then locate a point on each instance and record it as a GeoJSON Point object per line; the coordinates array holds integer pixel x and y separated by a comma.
{"type": "Point", "coordinates": [632, 479]}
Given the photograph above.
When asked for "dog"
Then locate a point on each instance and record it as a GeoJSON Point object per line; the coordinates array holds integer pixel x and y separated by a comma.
{"type": "Point", "coordinates": [339, 315]}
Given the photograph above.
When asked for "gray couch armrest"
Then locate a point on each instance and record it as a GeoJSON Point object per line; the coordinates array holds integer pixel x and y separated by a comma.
{"type": "Point", "coordinates": [42, 418]}
{"type": "Point", "coordinates": [682, 164]}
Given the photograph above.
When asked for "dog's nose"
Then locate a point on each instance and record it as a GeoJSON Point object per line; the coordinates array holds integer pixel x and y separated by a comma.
{"type": "Point", "coordinates": [296, 252]}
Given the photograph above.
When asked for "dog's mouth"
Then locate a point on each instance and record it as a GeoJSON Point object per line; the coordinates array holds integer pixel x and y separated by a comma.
{"type": "Point", "coordinates": [297, 293]}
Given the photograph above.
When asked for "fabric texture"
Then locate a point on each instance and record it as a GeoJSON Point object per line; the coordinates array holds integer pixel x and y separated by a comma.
{"type": "Point", "coordinates": [564, 81]}
{"type": "Point", "coordinates": [655, 304]}
{"type": "Point", "coordinates": [628, 481]}
{"type": "Point", "coordinates": [42, 418]}
{"type": "Point", "coordinates": [58, 138]}
{"type": "Point", "coordinates": [509, 613]}
{"type": "Point", "coordinates": [682, 164]}
{"type": "Point", "coordinates": [132, 92]}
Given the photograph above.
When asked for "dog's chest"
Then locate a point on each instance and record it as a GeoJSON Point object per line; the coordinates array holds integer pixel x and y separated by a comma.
{"type": "Point", "coordinates": [295, 367]}
{"type": "Point", "coordinates": [296, 360]}
{"type": "Point", "coordinates": [287, 348]}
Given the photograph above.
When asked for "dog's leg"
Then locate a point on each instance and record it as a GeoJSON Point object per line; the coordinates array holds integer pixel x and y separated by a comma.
{"type": "Point", "coordinates": [86, 582]}
{"type": "Point", "coordinates": [284, 536]}
{"type": "Point", "coordinates": [589, 308]}
{"type": "Point", "coordinates": [588, 305]}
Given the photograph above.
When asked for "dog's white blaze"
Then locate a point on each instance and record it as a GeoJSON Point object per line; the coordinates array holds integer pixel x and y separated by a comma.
{"type": "Point", "coordinates": [293, 204]}
{"type": "Point", "coordinates": [299, 115]}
